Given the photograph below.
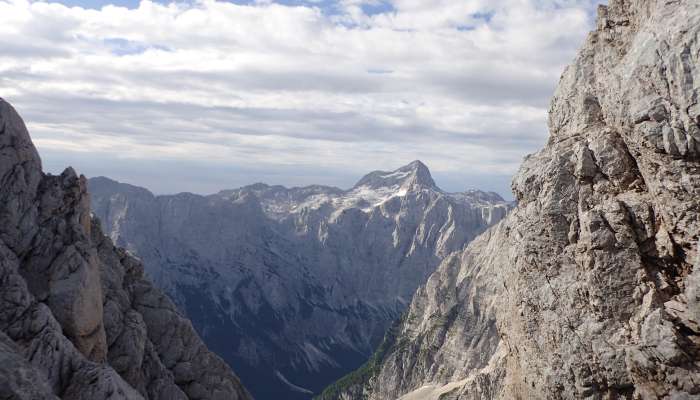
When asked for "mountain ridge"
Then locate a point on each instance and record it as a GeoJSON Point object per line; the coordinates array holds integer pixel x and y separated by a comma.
{"type": "Point", "coordinates": [319, 272]}
{"type": "Point", "coordinates": [425, 180]}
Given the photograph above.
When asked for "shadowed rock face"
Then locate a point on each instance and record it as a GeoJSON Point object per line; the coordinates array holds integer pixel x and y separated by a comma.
{"type": "Point", "coordinates": [295, 287]}
{"type": "Point", "coordinates": [589, 288]}
{"type": "Point", "coordinates": [77, 318]}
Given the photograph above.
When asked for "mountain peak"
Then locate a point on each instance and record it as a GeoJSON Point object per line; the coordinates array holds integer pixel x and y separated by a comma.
{"type": "Point", "coordinates": [16, 143]}
{"type": "Point", "coordinates": [420, 172]}
{"type": "Point", "coordinates": [416, 166]}
{"type": "Point", "coordinates": [413, 174]}
{"type": "Point", "coordinates": [104, 185]}
{"type": "Point", "coordinates": [482, 196]}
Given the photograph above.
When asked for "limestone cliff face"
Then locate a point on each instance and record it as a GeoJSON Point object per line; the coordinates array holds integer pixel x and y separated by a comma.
{"type": "Point", "coordinates": [77, 318]}
{"type": "Point", "coordinates": [589, 288]}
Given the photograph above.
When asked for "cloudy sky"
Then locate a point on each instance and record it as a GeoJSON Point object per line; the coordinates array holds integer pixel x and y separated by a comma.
{"type": "Point", "coordinates": [204, 95]}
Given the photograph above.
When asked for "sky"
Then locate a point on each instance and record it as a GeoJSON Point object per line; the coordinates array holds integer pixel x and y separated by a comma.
{"type": "Point", "coordinates": [206, 95]}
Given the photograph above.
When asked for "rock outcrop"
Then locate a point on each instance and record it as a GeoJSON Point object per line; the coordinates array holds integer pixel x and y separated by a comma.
{"type": "Point", "coordinates": [589, 288]}
{"type": "Point", "coordinates": [78, 320]}
{"type": "Point", "coordinates": [295, 287]}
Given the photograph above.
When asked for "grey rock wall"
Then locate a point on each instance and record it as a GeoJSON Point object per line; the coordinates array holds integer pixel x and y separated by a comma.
{"type": "Point", "coordinates": [589, 288]}
{"type": "Point", "coordinates": [78, 320]}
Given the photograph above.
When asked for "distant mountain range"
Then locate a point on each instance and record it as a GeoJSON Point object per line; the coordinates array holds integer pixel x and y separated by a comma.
{"type": "Point", "coordinates": [295, 287]}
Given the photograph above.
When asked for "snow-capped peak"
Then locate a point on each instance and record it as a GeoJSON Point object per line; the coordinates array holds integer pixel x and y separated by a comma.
{"type": "Point", "coordinates": [413, 175]}
{"type": "Point", "coordinates": [374, 189]}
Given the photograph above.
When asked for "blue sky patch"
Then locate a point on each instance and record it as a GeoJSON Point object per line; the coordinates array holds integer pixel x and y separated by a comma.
{"type": "Point", "coordinates": [328, 7]}
{"type": "Point", "coordinates": [465, 28]}
{"type": "Point", "coordinates": [97, 4]}
{"type": "Point", "coordinates": [124, 47]}
{"type": "Point", "coordinates": [485, 16]}
{"type": "Point", "coordinates": [378, 7]}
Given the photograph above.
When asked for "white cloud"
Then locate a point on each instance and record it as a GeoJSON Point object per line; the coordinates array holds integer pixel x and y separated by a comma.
{"type": "Point", "coordinates": [461, 84]}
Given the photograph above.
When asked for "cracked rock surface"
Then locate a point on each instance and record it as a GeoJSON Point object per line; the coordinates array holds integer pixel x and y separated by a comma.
{"type": "Point", "coordinates": [78, 320]}
{"type": "Point", "coordinates": [589, 288]}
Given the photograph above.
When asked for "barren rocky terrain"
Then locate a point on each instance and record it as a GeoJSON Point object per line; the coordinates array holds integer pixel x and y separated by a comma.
{"type": "Point", "coordinates": [588, 289]}
{"type": "Point", "coordinates": [78, 320]}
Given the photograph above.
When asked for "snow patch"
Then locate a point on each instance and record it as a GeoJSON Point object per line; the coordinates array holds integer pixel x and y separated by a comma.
{"type": "Point", "coordinates": [316, 358]}
{"type": "Point", "coordinates": [367, 198]}
{"type": "Point", "coordinates": [397, 175]}
{"type": "Point", "coordinates": [292, 386]}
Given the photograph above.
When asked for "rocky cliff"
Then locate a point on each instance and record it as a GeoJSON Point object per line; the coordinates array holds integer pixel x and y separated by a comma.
{"type": "Point", "coordinates": [78, 320]}
{"type": "Point", "coordinates": [589, 288]}
{"type": "Point", "coordinates": [295, 287]}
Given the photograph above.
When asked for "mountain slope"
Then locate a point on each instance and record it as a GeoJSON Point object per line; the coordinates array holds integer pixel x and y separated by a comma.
{"type": "Point", "coordinates": [295, 286]}
{"type": "Point", "coordinates": [589, 288]}
{"type": "Point", "coordinates": [77, 318]}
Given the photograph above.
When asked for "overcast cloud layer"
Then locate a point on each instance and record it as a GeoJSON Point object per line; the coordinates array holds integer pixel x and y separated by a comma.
{"type": "Point", "coordinates": [207, 95]}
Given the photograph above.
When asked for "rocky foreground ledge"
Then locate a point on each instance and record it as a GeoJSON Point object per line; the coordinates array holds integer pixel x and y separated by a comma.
{"type": "Point", "coordinates": [589, 288]}
{"type": "Point", "coordinates": [78, 320]}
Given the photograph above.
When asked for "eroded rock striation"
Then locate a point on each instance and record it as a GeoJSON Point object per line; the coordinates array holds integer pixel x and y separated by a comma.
{"type": "Point", "coordinates": [296, 286]}
{"type": "Point", "coordinates": [589, 288]}
{"type": "Point", "coordinates": [78, 320]}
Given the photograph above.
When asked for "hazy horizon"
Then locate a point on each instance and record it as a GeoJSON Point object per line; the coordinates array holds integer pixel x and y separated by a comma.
{"type": "Point", "coordinates": [213, 190]}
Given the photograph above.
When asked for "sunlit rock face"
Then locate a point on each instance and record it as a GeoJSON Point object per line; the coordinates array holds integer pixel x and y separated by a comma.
{"type": "Point", "coordinates": [588, 289]}
{"type": "Point", "coordinates": [78, 320]}
{"type": "Point", "coordinates": [295, 287]}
